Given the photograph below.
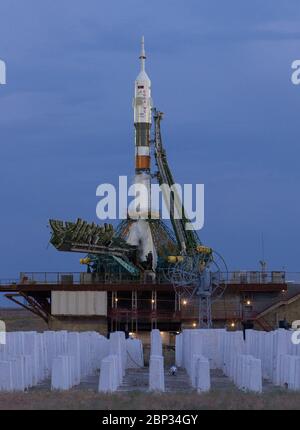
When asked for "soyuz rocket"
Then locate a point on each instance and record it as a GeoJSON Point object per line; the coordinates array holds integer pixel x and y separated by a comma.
{"type": "Point", "coordinates": [140, 233]}
{"type": "Point", "coordinates": [142, 105]}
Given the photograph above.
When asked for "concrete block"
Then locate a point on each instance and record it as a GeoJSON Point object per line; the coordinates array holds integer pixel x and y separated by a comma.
{"type": "Point", "coordinates": [61, 375]}
{"type": "Point", "coordinates": [296, 385]}
{"type": "Point", "coordinates": [280, 347]}
{"type": "Point", "coordinates": [50, 340]}
{"type": "Point", "coordinates": [178, 350]}
{"type": "Point", "coordinates": [109, 378]}
{"type": "Point", "coordinates": [202, 375]}
{"type": "Point", "coordinates": [118, 369]}
{"type": "Point", "coordinates": [6, 378]}
{"type": "Point", "coordinates": [31, 348]}
{"type": "Point", "coordinates": [156, 373]}
{"type": "Point", "coordinates": [194, 369]}
{"type": "Point", "coordinates": [73, 349]}
{"type": "Point", "coordinates": [18, 374]}
{"type": "Point", "coordinates": [117, 347]}
{"type": "Point", "coordinates": [135, 355]}
{"type": "Point", "coordinates": [248, 373]}
{"type": "Point", "coordinates": [255, 378]}
{"type": "Point", "coordinates": [28, 372]}
{"type": "Point", "coordinates": [186, 347]}
{"type": "Point", "coordinates": [85, 354]}
{"type": "Point", "coordinates": [156, 342]}
{"type": "Point", "coordinates": [102, 349]}
{"type": "Point", "coordinates": [290, 371]}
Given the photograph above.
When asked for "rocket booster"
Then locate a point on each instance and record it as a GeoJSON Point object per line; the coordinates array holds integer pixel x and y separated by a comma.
{"type": "Point", "coordinates": [140, 232]}
{"type": "Point", "coordinates": [142, 104]}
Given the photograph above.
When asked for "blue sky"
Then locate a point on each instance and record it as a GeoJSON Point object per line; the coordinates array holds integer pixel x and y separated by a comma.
{"type": "Point", "coordinates": [221, 73]}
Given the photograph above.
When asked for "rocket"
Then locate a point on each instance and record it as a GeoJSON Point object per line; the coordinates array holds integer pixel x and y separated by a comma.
{"type": "Point", "coordinates": [140, 232]}
{"type": "Point", "coordinates": [142, 105]}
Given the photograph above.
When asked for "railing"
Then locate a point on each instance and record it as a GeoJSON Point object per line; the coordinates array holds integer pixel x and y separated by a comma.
{"type": "Point", "coordinates": [234, 277]}
{"type": "Point", "coordinates": [258, 277]}
{"type": "Point", "coordinates": [87, 278]}
{"type": "Point", "coordinates": [145, 313]}
{"type": "Point", "coordinates": [50, 277]}
{"type": "Point", "coordinates": [255, 277]}
{"type": "Point", "coordinates": [293, 277]}
{"type": "Point", "coordinates": [9, 281]}
{"type": "Point", "coordinates": [192, 316]}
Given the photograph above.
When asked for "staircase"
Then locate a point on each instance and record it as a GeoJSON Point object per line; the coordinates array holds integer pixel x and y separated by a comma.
{"type": "Point", "coordinates": [264, 324]}
{"type": "Point", "coordinates": [135, 380]}
{"type": "Point", "coordinates": [289, 296]}
{"type": "Point", "coordinates": [138, 380]}
{"type": "Point", "coordinates": [127, 265]}
{"type": "Point", "coordinates": [178, 383]}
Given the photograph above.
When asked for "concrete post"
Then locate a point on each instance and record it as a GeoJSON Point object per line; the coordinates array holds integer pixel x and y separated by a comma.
{"type": "Point", "coordinates": [156, 373]}
{"type": "Point", "coordinates": [178, 350]}
{"type": "Point", "coordinates": [156, 342]}
{"type": "Point", "coordinates": [203, 375]}
{"type": "Point", "coordinates": [109, 378]}
{"type": "Point", "coordinates": [135, 356]}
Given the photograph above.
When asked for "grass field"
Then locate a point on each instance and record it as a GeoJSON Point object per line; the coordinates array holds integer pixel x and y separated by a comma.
{"type": "Point", "coordinates": [89, 400]}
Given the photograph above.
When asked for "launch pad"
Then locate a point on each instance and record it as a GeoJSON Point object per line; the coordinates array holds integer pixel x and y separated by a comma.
{"type": "Point", "coordinates": [145, 273]}
{"type": "Point", "coordinates": [85, 301]}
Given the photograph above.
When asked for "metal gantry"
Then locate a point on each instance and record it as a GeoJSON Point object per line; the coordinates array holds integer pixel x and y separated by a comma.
{"type": "Point", "coordinates": [189, 271]}
{"type": "Point", "coordinates": [191, 282]}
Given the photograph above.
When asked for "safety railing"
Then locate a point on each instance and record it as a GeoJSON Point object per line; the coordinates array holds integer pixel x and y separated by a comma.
{"type": "Point", "coordinates": [9, 281]}
{"type": "Point", "coordinates": [88, 278]}
{"type": "Point", "coordinates": [255, 277]}
{"type": "Point", "coordinates": [234, 277]}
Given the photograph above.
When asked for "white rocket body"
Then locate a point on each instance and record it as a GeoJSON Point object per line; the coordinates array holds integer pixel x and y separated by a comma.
{"type": "Point", "coordinates": [142, 102]}
{"type": "Point", "coordinates": [140, 233]}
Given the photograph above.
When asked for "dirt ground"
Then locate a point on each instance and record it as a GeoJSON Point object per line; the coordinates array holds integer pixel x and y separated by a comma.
{"type": "Point", "coordinates": [22, 320]}
{"type": "Point", "coordinates": [89, 400]}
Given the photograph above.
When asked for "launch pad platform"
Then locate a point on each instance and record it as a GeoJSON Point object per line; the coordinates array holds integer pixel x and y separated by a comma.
{"type": "Point", "coordinates": [79, 300]}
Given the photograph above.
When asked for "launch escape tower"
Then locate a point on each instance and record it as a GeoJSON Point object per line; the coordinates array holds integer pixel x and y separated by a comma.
{"type": "Point", "coordinates": [145, 247]}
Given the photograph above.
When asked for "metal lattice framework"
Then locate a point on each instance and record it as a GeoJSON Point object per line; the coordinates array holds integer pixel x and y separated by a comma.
{"type": "Point", "coordinates": [196, 270]}
{"type": "Point", "coordinates": [193, 278]}
{"type": "Point", "coordinates": [88, 238]}
{"type": "Point", "coordinates": [187, 239]}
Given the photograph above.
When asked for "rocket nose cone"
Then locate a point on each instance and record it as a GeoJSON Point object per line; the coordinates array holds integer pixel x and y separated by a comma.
{"type": "Point", "coordinates": [142, 76]}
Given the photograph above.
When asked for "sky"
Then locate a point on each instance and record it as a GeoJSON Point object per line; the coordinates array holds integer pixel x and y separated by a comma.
{"type": "Point", "coordinates": [221, 73]}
